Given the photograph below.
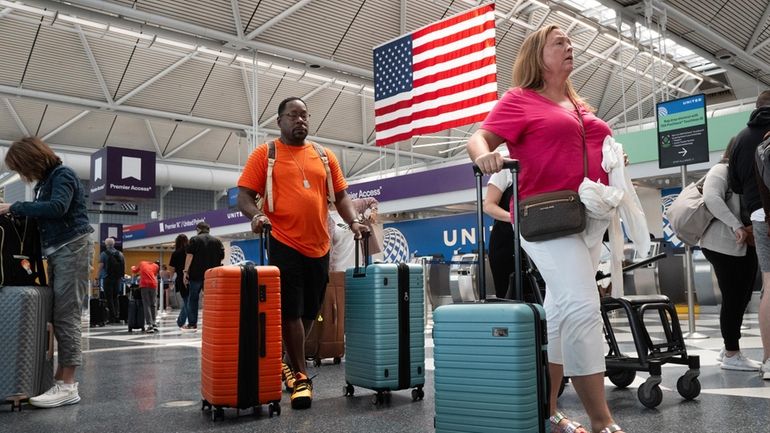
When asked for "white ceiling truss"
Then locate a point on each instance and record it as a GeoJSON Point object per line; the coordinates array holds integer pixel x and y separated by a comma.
{"type": "Point", "coordinates": [200, 80]}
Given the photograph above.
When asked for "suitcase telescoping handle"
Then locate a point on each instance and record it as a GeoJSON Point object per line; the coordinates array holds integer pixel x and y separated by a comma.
{"type": "Point", "coordinates": [363, 242]}
{"type": "Point", "coordinates": [508, 164]}
{"type": "Point", "coordinates": [265, 244]}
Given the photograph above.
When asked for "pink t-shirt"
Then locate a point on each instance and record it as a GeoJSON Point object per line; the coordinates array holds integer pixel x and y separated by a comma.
{"type": "Point", "coordinates": [546, 138]}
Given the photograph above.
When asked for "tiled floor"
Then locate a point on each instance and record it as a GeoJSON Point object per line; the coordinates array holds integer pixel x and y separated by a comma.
{"type": "Point", "coordinates": [143, 383]}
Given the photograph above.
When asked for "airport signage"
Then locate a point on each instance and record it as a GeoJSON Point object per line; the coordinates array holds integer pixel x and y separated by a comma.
{"type": "Point", "coordinates": [117, 172]}
{"type": "Point", "coordinates": [437, 181]}
{"type": "Point", "coordinates": [682, 134]}
{"type": "Point", "coordinates": [187, 223]}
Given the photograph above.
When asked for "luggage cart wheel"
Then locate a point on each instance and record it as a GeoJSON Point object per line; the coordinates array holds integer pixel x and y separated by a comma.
{"type": "Point", "coordinates": [348, 390]}
{"type": "Point", "coordinates": [650, 395]}
{"type": "Point", "coordinates": [337, 360]}
{"type": "Point", "coordinates": [316, 362]}
{"type": "Point", "coordinates": [622, 378]}
{"type": "Point", "coordinates": [688, 387]}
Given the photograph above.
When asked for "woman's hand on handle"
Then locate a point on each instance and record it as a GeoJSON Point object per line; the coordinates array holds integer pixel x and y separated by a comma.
{"type": "Point", "coordinates": [490, 162]}
{"type": "Point", "coordinates": [481, 149]}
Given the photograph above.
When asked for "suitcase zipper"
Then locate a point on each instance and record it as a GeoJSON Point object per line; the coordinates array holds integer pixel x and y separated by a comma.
{"type": "Point", "coordinates": [560, 200]}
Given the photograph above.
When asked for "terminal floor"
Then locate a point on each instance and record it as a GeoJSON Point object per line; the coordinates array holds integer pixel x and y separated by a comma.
{"type": "Point", "coordinates": [150, 383]}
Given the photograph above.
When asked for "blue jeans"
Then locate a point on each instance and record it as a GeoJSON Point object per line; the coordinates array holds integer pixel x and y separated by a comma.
{"type": "Point", "coordinates": [182, 318]}
{"type": "Point", "coordinates": [192, 302]}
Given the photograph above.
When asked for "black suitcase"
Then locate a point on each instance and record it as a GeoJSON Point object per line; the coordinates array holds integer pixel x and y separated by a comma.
{"type": "Point", "coordinates": [100, 314]}
{"type": "Point", "coordinates": [123, 308]}
{"type": "Point", "coordinates": [135, 314]}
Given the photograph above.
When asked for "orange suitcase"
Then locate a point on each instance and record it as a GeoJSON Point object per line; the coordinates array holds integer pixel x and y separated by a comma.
{"type": "Point", "coordinates": [241, 342]}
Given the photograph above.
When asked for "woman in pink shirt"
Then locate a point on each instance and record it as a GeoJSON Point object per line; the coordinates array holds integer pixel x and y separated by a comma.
{"type": "Point", "coordinates": [539, 120]}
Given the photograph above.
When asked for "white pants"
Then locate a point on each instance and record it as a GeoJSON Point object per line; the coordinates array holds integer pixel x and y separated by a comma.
{"type": "Point", "coordinates": [568, 266]}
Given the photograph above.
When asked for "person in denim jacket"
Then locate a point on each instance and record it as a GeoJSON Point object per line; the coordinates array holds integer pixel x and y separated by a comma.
{"type": "Point", "coordinates": [60, 210]}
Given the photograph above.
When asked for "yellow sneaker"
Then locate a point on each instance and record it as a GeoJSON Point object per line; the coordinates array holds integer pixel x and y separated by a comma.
{"type": "Point", "coordinates": [287, 377]}
{"type": "Point", "coordinates": [302, 396]}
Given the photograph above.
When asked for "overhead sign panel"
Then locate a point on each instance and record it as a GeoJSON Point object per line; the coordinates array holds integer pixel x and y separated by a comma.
{"type": "Point", "coordinates": [682, 133]}
{"type": "Point", "coordinates": [117, 172]}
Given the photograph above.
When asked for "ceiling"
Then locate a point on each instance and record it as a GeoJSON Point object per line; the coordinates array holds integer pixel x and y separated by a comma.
{"type": "Point", "coordinates": [177, 77]}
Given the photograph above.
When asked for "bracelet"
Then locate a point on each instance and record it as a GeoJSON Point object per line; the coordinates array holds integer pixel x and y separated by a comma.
{"type": "Point", "coordinates": [255, 217]}
{"type": "Point", "coordinates": [355, 220]}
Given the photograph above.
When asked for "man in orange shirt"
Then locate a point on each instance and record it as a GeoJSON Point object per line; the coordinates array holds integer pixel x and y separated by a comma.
{"type": "Point", "coordinates": [296, 207]}
{"type": "Point", "coordinates": [148, 285]}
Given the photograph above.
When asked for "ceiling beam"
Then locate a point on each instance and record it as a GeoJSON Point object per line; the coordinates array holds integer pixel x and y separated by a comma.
{"type": "Point", "coordinates": [107, 10]}
{"type": "Point", "coordinates": [16, 117]}
{"type": "Point", "coordinates": [146, 112]}
{"type": "Point", "coordinates": [94, 65]}
{"type": "Point", "coordinates": [750, 46]}
{"type": "Point", "coordinates": [276, 19]}
{"type": "Point", "coordinates": [237, 18]}
{"type": "Point", "coordinates": [157, 77]}
{"type": "Point", "coordinates": [153, 138]}
{"type": "Point", "coordinates": [632, 16]}
{"type": "Point", "coordinates": [65, 125]}
{"type": "Point", "coordinates": [186, 143]}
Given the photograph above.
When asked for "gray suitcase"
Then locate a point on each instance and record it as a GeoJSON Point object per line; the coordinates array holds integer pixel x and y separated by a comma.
{"type": "Point", "coordinates": [26, 339]}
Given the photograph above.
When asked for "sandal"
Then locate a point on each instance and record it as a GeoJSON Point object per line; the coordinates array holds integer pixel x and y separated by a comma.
{"type": "Point", "coordinates": [612, 428]}
{"type": "Point", "coordinates": [568, 427]}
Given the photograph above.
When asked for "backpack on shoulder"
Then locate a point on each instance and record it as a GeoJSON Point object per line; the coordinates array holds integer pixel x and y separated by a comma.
{"type": "Point", "coordinates": [116, 266]}
{"type": "Point", "coordinates": [762, 158]}
{"type": "Point", "coordinates": [271, 149]}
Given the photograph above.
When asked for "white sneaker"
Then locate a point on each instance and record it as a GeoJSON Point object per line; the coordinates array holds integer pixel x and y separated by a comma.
{"type": "Point", "coordinates": [721, 355]}
{"type": "Point", "coordinates": [59, 395]}
{"type": "Point", "coordinates": [766, 369]}
{"type": "Point", "coordinates": [740, 363]}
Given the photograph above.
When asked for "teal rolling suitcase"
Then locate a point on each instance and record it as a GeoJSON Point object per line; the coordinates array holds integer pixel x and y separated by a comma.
{"type": "Point", "coordinates": [491, 360]}
{"type": "Point", "coordinates": [384, 329]}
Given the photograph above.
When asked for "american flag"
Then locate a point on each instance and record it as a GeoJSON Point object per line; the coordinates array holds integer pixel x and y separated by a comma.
{"type": "Point", "coordinates": [441, 76]}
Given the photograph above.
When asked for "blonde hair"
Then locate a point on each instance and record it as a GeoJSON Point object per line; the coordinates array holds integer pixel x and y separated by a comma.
{"type": "Point", "coordinates": [529, 66]}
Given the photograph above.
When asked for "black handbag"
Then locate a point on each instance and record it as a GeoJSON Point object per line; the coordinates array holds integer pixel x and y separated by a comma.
{"type": "Point", "coordinates": [554, 214]}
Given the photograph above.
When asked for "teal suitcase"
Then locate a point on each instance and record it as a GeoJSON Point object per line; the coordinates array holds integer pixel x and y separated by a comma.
{"type": "Point", "coordinates": [491, 368]}
{"type": "Point", "coordinates": [491, 356]}
{"type": "Point", "coordinates": [384, 329]}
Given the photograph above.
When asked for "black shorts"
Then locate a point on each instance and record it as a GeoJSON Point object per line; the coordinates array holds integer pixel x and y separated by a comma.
{"type": "Point", "coordinates": [303, 281]}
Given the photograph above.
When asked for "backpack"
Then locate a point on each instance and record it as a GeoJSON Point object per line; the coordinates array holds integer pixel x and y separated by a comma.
{"type": "Point", "coordinates": [271, 149]}
{"type": "Point", "coordinates": [22, 257]}
{"type": "Point", "coordinates": [762, 158]}
{"type": "Point", "coordinates": [688, 215]}
{"type": "Point", "coordinates": [115, 265]}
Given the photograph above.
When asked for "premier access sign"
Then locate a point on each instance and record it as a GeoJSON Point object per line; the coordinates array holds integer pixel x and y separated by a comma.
{"type": "Point", "coordinates": [117, 172]}
{"type": "Point", "coordinates": [682, 133]}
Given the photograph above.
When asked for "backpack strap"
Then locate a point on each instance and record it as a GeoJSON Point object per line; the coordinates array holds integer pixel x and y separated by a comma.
{"type": "Point", "coordinates": [325, 159]}
{"type": "Point", "coordinates": [271, 150]}
{"type": "Point", "coordinates": [271, 146]}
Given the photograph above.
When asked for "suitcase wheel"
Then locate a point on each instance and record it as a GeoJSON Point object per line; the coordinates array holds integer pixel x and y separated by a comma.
{"type": "Point", "coordinates": [337, 360]}
{"type": "Point", "coordinates": [205, 405]}
{"type": "Point", "coordinates": [217, 413]}
{"type": "Point", "coordinates": [348, 390]}
{"type": "Point", "coordinates": [382, 397]}
{"type": "Point", "coordinates": [316, 362]}
{"type": "Point", "coordinates": [274, 408]}
{"type": "Point", "coordinates": [417, 394]}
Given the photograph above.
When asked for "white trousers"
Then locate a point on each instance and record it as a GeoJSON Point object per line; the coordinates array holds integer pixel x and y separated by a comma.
{"type": "Point", "coordinates": [568, 266]}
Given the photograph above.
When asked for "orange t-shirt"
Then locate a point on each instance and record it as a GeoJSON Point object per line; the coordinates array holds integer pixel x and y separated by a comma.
{"type": "Point", "coordinates": [299, 215]}
{"type": "Point", "coordinates": [148, 275]}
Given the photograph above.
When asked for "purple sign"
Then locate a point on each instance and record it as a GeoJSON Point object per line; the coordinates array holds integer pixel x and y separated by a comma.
{"type": "Point", "coordinates": [111, 230]}
{"type": "Point", "coordinates": [215, 218]}
{"type": "Point", "coordinates": [117, 172]}
{"type": "Point", "coordinates": [440, 180]}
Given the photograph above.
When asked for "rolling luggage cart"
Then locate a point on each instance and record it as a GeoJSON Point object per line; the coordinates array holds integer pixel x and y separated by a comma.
{"type": "Point", "coordinates": [650, 356]}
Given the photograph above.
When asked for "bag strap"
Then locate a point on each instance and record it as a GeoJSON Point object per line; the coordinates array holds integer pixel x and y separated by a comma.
{"type": "Point", "coordinates": [271, 150]}
{"type": "Point", "coordinates": [583, 133]}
